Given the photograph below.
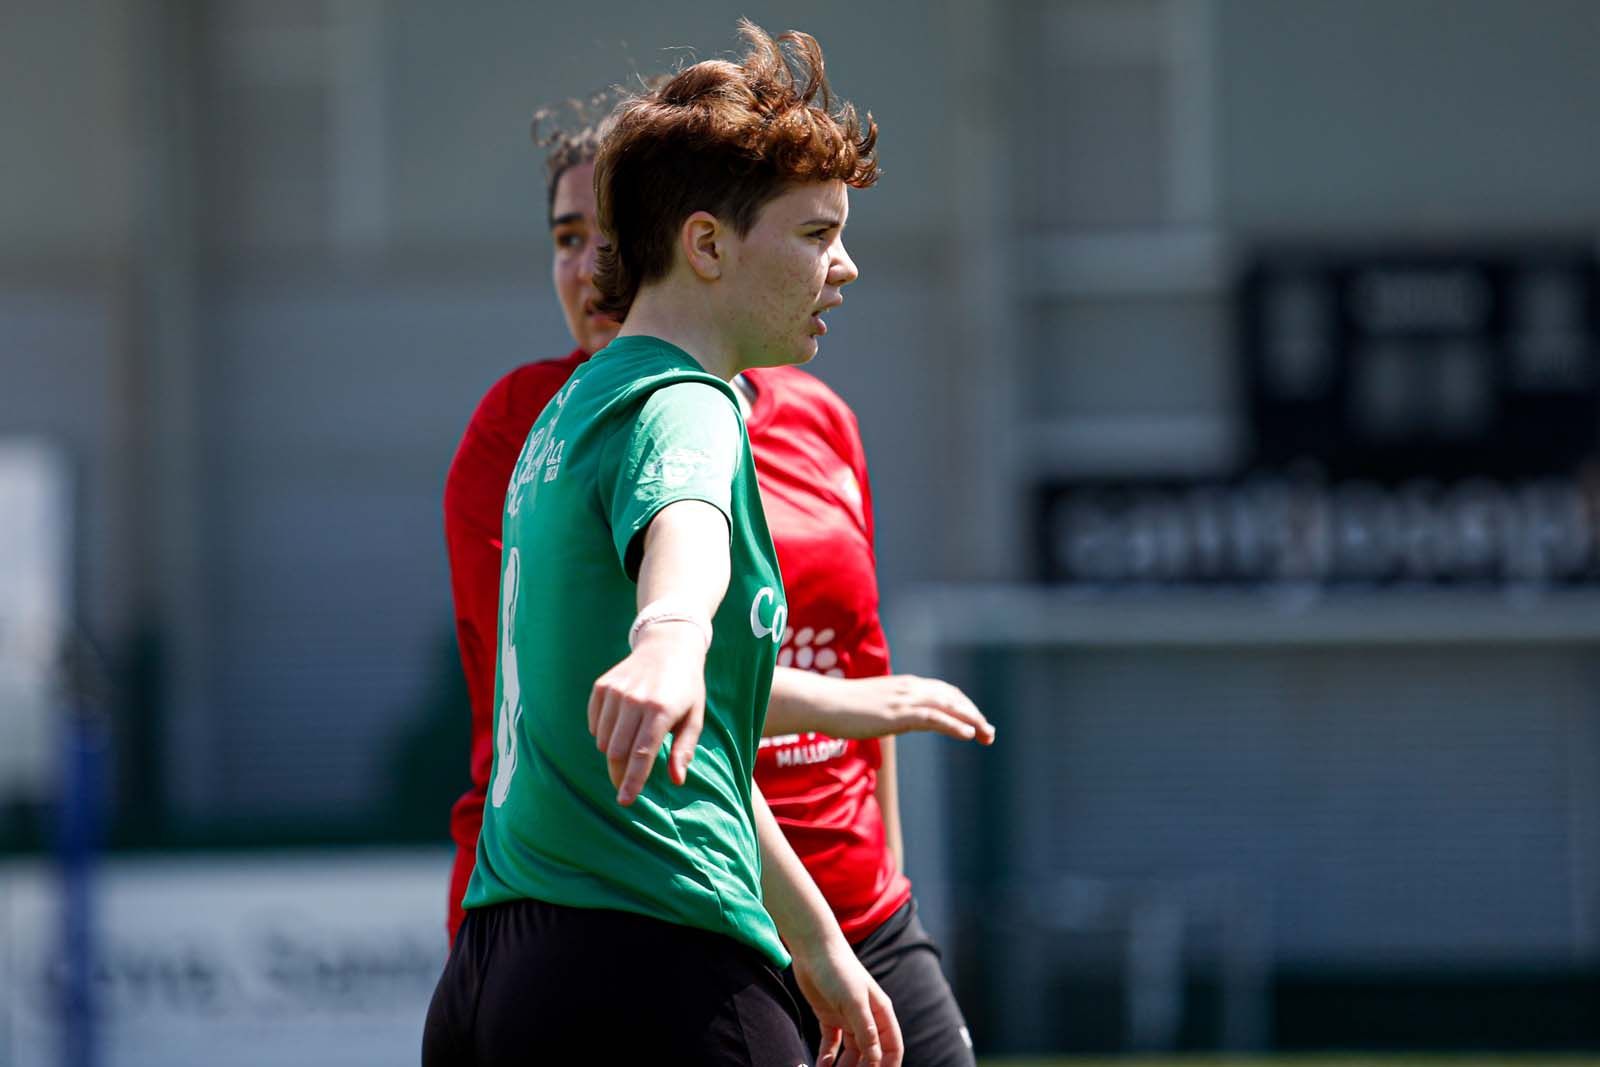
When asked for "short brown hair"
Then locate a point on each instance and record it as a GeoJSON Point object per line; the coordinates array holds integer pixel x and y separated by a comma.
{"type": "Point", "coordinates": [720, 137]}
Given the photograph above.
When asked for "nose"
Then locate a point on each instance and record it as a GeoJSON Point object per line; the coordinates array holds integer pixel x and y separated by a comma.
{"type": "Point", "coordinates": [842, 271]}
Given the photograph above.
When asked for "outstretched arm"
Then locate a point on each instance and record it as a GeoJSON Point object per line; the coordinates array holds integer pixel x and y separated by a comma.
{"type": "Point", "coordinates": [858, 1023]}
{"type": "Point", "coordinates": [871, 707]}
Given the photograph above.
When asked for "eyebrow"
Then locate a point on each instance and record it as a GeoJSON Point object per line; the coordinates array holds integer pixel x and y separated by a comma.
{"type": "Point", "coordinates": [562, 220]}
{"type": "Point", "coordinates": [822, 222]}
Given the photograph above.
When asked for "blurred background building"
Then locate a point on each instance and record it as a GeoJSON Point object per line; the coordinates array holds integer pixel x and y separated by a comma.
{"type": "Point", "coordinates": [1229, 378]}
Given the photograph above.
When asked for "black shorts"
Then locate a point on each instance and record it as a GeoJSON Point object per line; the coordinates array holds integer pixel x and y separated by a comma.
{"type": "Point", "coordinates": [534, 983]}
{"type": "Point", "coordinates": [904, 960]}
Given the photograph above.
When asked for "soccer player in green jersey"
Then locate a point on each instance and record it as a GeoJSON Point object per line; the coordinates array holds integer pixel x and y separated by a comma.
{"type": "Point", "coordinates": [627, 903]}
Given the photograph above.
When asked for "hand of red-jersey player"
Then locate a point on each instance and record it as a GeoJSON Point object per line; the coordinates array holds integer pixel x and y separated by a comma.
{"type": "Point", "coordinates": [872, 707]}
{"type": "Point", "coordinates": [659, 689]}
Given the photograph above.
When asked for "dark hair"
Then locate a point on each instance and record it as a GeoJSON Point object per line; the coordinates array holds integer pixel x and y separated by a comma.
{"type": "Point", "coordinates": [721, 137]}
{"type": "Point", "coordinates": [570, 135]}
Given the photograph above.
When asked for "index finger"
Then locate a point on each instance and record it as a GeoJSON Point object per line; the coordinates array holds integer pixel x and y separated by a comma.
{"type": "Point", "coordinates": [862, 1039]}
{"type": "Point", "coordinates": [957, 703]}
{"type": "Point", "coordinates": [685, 738]}
{"type": "Point", "coordinates": [642, 755]}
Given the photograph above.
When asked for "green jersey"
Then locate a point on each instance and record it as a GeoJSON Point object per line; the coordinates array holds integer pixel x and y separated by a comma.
{"type": "Point", "coordinates": [638, 427]}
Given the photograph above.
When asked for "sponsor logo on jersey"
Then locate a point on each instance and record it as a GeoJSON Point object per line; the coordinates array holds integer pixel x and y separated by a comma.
{"type": "Point", "coordinates": [811, 649]}
{"type": "Point", "coordinates": [764, 623]}
{"type": "Point", "coordinates": [808, 649]}
{"type": "Point", "coordinates": [675, 467]}
{"type": "Point", "coordinates": [540, 451]}
{"type": "Point", "coordinates": [804, 750]}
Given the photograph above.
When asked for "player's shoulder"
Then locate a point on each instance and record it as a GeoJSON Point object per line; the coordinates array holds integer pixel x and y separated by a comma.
{"type": "Point", "coordinates": [693, 404]}
{"type": "Point", "coordinates": [648, 375]}
{"type": "Point", "coordinates": [686, 394]}
{"type": "Point", "coordinates": [518, 396]}
{"type": "Point", "coordinates": [798, 396]}
{"type": "Point", "coordinates": [801, 387]}
{"type": "Point", "coordinates": [529, 386]}
{"type": "Point", "coordinates": [498, 427]}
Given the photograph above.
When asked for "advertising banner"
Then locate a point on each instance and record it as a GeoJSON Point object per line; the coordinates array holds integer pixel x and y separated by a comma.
{"type": "Point", "coordinates": [240, 959]}
{"type": "Point", "coordinates": [1414, 417]}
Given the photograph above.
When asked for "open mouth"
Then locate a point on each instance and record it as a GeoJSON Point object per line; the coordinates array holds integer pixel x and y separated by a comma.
{"type": "Point", "coordinates": [816, 317]}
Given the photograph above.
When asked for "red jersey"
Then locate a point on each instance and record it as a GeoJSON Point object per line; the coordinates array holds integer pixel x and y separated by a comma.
{"type": "Point", "coordinates": [474, 498]}
{"type": "Point", "coordinates": [813, 476]}
{"type": "Point", "coordinates": [812, 473]}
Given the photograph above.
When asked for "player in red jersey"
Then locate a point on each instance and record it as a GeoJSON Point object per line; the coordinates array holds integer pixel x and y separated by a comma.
{"type": "Point", "coordinates": [833, 793]}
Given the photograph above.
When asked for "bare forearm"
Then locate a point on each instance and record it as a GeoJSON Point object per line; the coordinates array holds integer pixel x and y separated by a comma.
{"type": "Point", "coordinates": [848, 1004]}
{"type": "Point", "coordinates": [801, 701]}
{"type": "Point", "coordinates": [871, 707]}
{"type": "Point", "coordinates": [792, 899]}
{"type": "Point", "coordinates": [888, 793]}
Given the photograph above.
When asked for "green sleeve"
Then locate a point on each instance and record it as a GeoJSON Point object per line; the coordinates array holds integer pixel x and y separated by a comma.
{"type": "Point", "coordinates": [684, 443]}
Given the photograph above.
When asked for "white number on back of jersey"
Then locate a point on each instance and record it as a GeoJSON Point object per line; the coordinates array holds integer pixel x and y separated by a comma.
{"type": "Point", "coordinates": [510, 711]}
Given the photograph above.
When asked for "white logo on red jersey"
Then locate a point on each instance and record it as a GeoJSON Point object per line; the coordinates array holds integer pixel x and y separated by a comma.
{"type": "Point", "coordinates": [807, 649]}
{"type": "Point", "coordinates": [810, 650]}
{"type": "Point", "coordinates": [800, 750]}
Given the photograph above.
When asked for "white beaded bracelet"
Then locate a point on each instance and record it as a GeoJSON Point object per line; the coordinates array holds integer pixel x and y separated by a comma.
{"type": "Point", "coordinates": [669, 609]}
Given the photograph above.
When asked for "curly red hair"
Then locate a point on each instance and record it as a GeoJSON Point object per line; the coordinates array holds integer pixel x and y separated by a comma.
{"type": "Point", "coordinates": [721, 137]}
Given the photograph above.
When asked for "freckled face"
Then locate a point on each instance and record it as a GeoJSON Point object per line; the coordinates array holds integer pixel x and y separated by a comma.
{"type": "Point", "coordinates": [576, 236]}
{"type": "Point", "coordinates": [786, 272]}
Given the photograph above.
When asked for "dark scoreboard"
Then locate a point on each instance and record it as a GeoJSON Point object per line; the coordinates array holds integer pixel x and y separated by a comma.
{"type": "Point", "coordinates": [1438, 365]}
{"type": "Point", "coordinates": [1421, 416]}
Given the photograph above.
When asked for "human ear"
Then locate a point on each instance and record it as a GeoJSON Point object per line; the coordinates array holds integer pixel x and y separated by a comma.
{"type": "Point", "coordinates": [701, 241]}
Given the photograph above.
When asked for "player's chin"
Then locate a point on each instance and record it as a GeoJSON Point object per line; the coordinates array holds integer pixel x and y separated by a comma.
{"type": "Point", "coordinates": [787, 353]}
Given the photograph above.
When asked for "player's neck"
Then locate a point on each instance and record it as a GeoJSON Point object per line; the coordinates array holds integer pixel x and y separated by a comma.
{"type": "Point", "coordinates": [685, 319]}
